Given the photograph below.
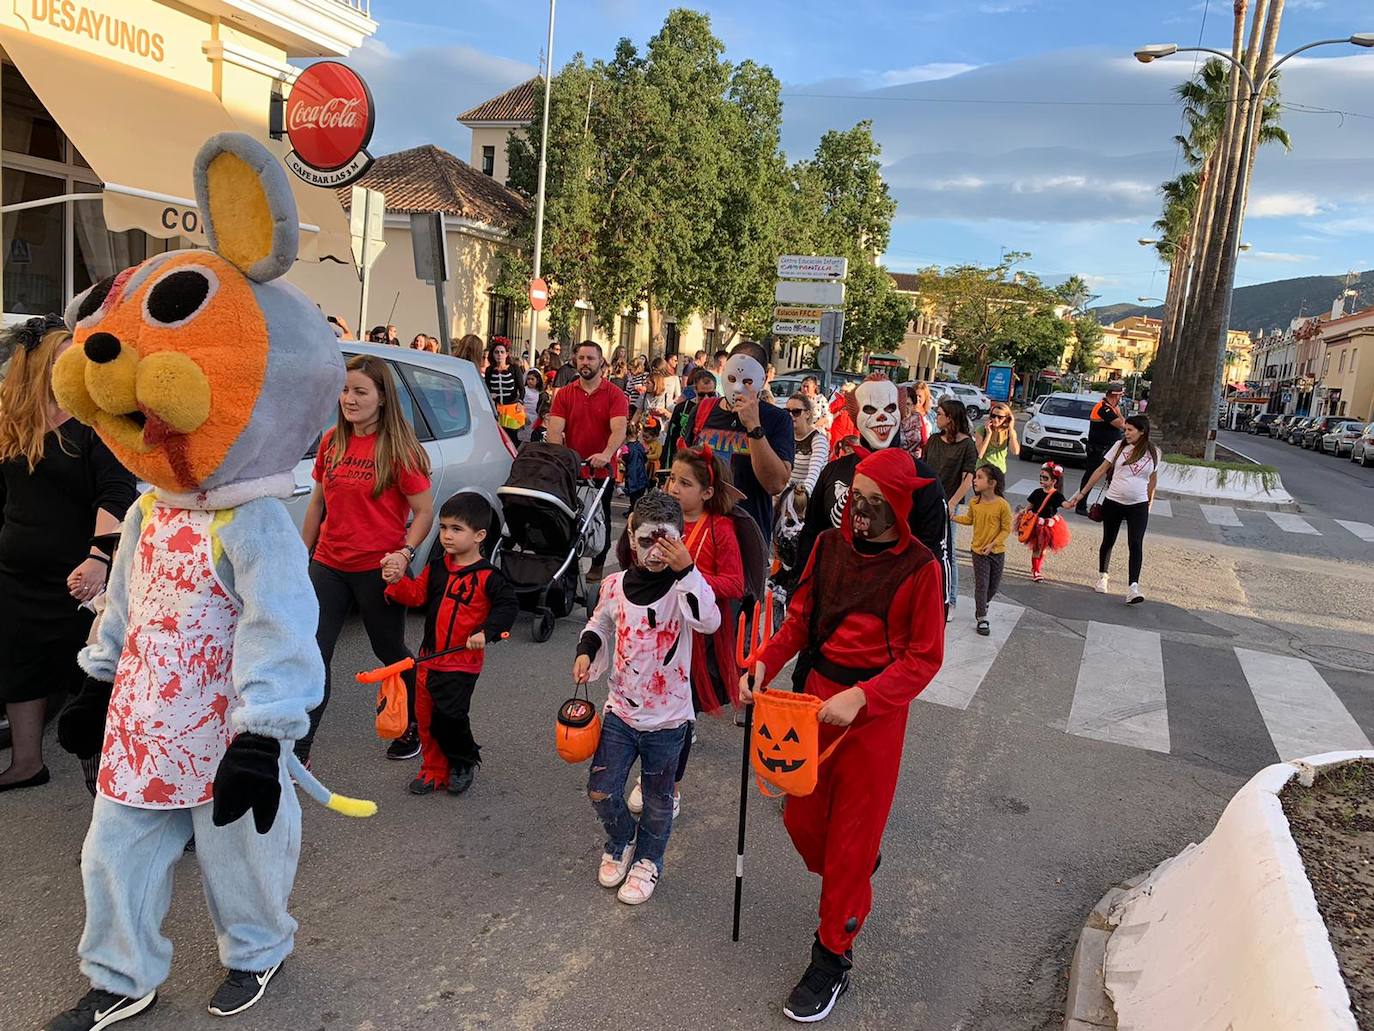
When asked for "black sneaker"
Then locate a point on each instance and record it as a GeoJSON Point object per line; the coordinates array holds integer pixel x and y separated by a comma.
{"type": "Point", "coordinates": [98, 1009]}
{"type": "Point", "coordinates": [407, 746]}
{"type": "Point", "coordinates": [240, 990]}
{"type": "Point", "coordinates": [422, 786]}
{"type": "Point", "coordinates": [825, 980]}
{"type": "Point", "coordinates": [462, 780]}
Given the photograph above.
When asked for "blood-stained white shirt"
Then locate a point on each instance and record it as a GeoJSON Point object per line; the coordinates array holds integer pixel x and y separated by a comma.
{"type": "Point", "coordinates": [168, 724]}
{"type": "Point", "coordinates": [649, 649]}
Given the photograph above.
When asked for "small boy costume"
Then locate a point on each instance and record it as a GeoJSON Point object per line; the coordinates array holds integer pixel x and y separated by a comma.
{"type": "Point", "coordinates": [459, 601]}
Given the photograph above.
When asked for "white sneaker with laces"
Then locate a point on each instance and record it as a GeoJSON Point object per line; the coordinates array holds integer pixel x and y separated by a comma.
{"type": "Point", "coordinates": [1101, 587]}
{"type": "Point", "coordinates": [1133, 596]}
{"type": "Point", "coordinates": [636, 800]}
{"type": "Point", "coordinates": [612, 870]}
{"type": "Point", "coordinates": [677, 804]}
{"type": "Point", "coordinates": [639, 885]}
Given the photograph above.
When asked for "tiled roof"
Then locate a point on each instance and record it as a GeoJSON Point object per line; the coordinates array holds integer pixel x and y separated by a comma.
{"type": "Point", "coordinates": [907, 282]}
{"type": "Point", "coordinates": [514, 105]}
{"type": "Point", "coordinates": [430, 179]}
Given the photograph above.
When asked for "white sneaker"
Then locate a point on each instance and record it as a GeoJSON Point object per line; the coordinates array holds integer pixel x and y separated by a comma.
{"type": "Point", "coordinates": [677, 804]}
{"type": "Point", "coordinates": [1101, 587]}
{"type": "Point", "coordinates": [636, 800]}
{"type": "Point", "coordinates": [1133, 596]}
{"type": "Point", "coordinates": [639, 885]}
{"type": "Point", "coordinates": [613, 870]}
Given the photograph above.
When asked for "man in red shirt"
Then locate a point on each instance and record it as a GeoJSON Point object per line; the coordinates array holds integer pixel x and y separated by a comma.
{"type": "Point", "coordinates": [590, 416]}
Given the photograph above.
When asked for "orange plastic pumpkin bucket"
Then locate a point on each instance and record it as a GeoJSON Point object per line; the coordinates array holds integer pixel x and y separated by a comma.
{"type": "Point", "coordinates": [577, 729]}
{"type": "Point", "coordinates": [785, 743]}
{"type": "Point", "coordinates": [392, 719]}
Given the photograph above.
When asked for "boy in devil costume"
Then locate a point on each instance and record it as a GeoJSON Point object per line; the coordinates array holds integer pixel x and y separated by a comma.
{"type": "Point", "coordinates": [468, 604]}
{"type": "Point", "coordinates": [873, 407]}
{"type": "Point", "coordinates": [866, 654]}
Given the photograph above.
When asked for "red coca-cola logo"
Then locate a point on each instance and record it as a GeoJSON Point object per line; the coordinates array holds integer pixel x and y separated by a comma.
{"type": "Point", "coordinates": [329, 116]}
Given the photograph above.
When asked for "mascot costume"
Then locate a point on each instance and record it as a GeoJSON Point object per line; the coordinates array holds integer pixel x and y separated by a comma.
{"type": "Point", "coordinates": [873, 407]}
{"type": "Point", "coordinates": [209, 381]}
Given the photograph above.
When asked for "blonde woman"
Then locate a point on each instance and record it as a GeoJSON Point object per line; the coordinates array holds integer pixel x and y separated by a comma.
{"type": "Point", "coordinates": [998, 437]}
{"type": "Point", "coordinates": [371, 475]}
{"type": "Point", "coordinates": [62, 497]}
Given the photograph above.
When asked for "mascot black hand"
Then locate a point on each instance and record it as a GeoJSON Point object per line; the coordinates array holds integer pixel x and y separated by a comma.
{"type": "Point", "coordinates": [81, 727]}
{"type": "Point", "coordinates": [248, 778]}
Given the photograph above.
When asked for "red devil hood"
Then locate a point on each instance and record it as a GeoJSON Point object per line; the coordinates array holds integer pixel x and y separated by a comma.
{"type": "Point", "coordinates": [895, 474]}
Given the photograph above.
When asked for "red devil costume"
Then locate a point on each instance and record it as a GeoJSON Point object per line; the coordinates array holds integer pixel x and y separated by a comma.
{"type": "Point", "coordinates": [887, 638]}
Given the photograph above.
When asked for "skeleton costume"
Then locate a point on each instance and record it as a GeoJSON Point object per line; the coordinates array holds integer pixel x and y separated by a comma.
{"type": "Point", "coordinates": [874, 404]}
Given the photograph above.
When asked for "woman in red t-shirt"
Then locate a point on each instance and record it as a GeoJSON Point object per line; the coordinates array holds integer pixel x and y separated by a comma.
{"type": "Point", "coordinates": [371, 474]}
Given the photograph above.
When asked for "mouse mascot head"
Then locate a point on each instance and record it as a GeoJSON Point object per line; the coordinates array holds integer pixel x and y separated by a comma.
{"type": "Point", "coordinates": [201, 369]}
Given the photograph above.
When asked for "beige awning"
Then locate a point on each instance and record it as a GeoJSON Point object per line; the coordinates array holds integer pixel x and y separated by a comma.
{"type": "Point", "coordinates": [140, 134]}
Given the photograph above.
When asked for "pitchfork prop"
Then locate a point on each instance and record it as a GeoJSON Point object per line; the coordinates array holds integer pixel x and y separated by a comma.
{"type": "Point", "coordinates": [377, 676]}
{"type": "Point", "coordinates": [749, 642]}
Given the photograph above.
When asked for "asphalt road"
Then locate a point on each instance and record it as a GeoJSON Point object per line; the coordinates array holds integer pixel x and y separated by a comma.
{"type": "Point", "coordinates": [1335, 486]}
{"type": "Point", "coordinates": [1036, 775]}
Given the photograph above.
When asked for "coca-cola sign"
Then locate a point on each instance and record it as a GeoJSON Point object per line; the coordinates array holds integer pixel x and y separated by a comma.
{"type": "Point", "coordinates": [329, 120]}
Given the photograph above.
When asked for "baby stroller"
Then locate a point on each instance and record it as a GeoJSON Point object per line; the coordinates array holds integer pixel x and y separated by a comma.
{"type": "Point", "coordinates": [553, 519]}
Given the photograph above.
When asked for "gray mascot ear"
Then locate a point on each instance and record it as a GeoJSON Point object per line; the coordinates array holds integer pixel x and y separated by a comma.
{"type": "Point", "coordinates": [246, 204]}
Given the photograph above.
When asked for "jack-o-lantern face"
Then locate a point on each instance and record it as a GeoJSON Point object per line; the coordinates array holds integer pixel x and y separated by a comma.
{"type": "Point", "coordinates": [168, 362]}
{"type": "Point", "coordinates": [784, 755]}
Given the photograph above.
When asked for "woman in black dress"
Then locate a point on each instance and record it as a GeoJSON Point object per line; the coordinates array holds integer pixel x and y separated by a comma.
{"type": "Point", "coordinates": [61, 493]}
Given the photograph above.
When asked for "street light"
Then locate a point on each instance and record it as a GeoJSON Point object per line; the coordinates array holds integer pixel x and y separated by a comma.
{"type": "Point", "coordinates": [1144, 300]}
{"type": "Point", "coordinates": [1145, 55]}
{"type": "Point", "coordinates": [1145, 241]}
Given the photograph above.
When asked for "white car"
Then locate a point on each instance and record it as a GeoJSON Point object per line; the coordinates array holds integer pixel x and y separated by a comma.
{"type": "Point", "coordinates": [1363, 449]}
{"type": "Point", "coordinates": [445, 400]}
{"type": "Point", "coordinates": [977, 403]}
{"type": "Point", "coordinates": [1058, 425]}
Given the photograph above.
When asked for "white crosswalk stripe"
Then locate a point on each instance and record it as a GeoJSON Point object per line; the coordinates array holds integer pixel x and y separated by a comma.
{"type": "Point", "coordinates": [1288, 522]}
{"type": "Point", "coordinates": [1162, 508]}
{"type": "Point", "coordinates": [1220, 515]}
{"type": "Point", "coordinates": [1363, 531]}
{"type": "Point", "coordinates": [1120, 692]}
{"type": "Point", "coordinates": [1303, 714]}
{"type": "Point", "coordinates": [1023, 487]}
{"type": "Point", "coordinates": [968, 657]}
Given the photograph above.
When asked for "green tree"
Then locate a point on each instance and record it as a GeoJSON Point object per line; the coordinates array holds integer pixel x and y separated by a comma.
{"type": "Point", "coordinates": [1087, 333]}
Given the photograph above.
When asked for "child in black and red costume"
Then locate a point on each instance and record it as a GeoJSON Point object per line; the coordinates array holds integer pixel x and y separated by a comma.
{"type": "Point", "coordinates": [467, 603]}
{"type": "Point", "coordinates": [867, 651]}
{"type": "Point", "coordinates": [1051, 531]}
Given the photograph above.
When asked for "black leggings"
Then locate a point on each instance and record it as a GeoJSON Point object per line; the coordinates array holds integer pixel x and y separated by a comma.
{"type": "Point", "coordinates": [340, 594]}
{"type": "Point", "coordinates": [1136, 516]}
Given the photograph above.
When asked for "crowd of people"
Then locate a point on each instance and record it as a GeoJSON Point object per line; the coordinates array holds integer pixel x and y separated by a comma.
{"type": "Point", "coordinates": [727, 487]}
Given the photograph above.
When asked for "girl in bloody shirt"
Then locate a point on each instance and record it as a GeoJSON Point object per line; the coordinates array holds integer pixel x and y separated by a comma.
{"type": "Point", "coordinates": [371, 474]}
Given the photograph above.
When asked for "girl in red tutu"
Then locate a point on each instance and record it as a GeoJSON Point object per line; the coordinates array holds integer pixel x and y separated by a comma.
{"type": "Point", "coordinates": [1050, 531]}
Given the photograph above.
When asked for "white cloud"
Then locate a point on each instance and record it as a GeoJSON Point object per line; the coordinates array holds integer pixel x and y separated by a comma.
{"type": "Point", "coordinates": [1283, 205]}
{"type": "Point", "coordinates": [925, 72]}
{"type": "Point", "coordinates": [1277, 257]}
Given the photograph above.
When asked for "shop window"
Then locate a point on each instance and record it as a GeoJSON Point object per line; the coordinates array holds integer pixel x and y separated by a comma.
{"type": "Point", "coordinates": [498, 316]}
{"type": "Point", "coordinates": [671, 340]}
{"type": "Point", "coordinates": [629, 333]}
{"type": "Point", "coordinates": [25, 125]}
{"type": "Point", "coordinates": [97, 252]}
{"type": "Point", "coordinates": [33, 245]}
{"type": "Point", "coordinates": [488, 160]}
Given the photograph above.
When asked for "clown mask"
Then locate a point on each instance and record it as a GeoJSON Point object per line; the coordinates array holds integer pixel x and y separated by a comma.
{"type": "Point", "coordinates": [644, 542]}
{"type": "Point", "coordinates": [878, 417]}
{"type": "Point", "coordinates": [741, 373]}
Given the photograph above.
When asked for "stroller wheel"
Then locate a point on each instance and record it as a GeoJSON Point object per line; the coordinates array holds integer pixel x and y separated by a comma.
{"type": "Point", "coordinates": [542, 629]}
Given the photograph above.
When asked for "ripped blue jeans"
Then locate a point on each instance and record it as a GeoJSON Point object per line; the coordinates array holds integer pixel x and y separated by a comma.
{"type": "Point", "coordinates": [657, 752]}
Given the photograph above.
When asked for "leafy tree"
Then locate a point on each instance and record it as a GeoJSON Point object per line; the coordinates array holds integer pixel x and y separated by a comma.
{"type": "Point", "coordinates": [1088, 335]}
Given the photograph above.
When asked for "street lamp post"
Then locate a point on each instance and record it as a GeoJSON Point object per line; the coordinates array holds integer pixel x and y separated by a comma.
{"type": "Point", "coordinates": [1155, 51]}
{"type": "Point", "coordinates": [543, 172]}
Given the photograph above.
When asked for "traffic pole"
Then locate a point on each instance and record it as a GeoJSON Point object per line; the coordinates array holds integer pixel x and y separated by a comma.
{"type": "Point", "coordinates": [543, 173]}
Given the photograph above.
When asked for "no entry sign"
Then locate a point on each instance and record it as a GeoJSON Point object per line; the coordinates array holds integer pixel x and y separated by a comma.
{"type": "Point", "coordinates": [539, 294]}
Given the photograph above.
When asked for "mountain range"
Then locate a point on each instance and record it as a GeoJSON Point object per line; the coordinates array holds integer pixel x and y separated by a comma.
{"type": "Point", "coordinates": [1266, 306]}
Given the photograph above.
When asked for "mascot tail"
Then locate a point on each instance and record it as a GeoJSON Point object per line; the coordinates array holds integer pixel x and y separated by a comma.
{"type": "Point", "coordinates": [306, 781]}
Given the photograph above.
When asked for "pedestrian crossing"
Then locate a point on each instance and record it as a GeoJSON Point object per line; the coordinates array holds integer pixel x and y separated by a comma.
{"type": "Point", "coordinates": [1273, 707]}
{"type": "Point", "coordinates": [1229, 517]}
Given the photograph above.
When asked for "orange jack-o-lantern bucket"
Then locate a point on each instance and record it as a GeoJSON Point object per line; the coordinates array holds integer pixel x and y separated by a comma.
{"type": "Point", "coordinates": [577, 730]}
{"type": "Point", "coordinates": [785, 743]}
{"type": "Point", "coordinates": [392, 719]}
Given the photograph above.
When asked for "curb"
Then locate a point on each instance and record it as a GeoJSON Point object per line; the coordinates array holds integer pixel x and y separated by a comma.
{"type": "Point", "coordinates": [1088, 1007]}
{"type": "Point", "coordinates": [1207, 499]}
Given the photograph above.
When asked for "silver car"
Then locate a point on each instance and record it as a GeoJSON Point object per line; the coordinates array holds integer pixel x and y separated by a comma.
{"type": "Point", "coordinates": [446, 401]}
{"type": "Point", "coordinates": [1363, 450]}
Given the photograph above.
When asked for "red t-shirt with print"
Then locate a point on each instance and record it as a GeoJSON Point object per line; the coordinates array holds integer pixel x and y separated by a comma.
{"type": "Point", "coordinates": [359, 529]}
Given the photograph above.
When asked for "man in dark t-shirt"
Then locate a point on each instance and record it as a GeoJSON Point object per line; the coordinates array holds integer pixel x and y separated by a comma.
{"type": "Point", "coordinates": [1105, 427]}
{"type": "Point", "coordinates": [756, 439]}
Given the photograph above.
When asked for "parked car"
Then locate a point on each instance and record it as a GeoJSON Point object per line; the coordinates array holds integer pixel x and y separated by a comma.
{"type": "Point", "coordinates": [1316, 429]}
{"type": "Point", "coordinates": [1262, 424]}
{"type": "Point", "coordinates": [445, 400]}
{"type": "Point", "coordinates": [1293, 434]}
{"type": "Point", "coordinates": [1363, 449]}
{"type": "Point", "coordinates": [1058, 425]}
{"type": "Point", "coordinates": [1279, 430]}
{"type": "Point", "coordinates": [1341, 437]}
{"type": "Point", "coordinates": [975, 401]}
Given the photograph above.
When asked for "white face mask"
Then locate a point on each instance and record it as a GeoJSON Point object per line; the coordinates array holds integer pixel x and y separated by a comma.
{"type": "Point", "coordinates": [644, 543]}
{"type": "Point", "coordinates": [740, 372]}
{"type": "Point", "coordinates": [878, 416]}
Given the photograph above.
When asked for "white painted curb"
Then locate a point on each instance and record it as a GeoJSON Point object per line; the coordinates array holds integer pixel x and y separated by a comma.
{"type": "Point", "coordinates": [1194, 481]}
{"type": "Point", "coordinates": [1226, 935]}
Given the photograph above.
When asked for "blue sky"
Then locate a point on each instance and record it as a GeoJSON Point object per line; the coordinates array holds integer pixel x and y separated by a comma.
{"type": "Point", "coordinates": [1017, 124]}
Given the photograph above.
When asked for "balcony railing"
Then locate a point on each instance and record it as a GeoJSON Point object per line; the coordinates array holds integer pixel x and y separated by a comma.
{"type": "Point", "coordinates": [361, 6]}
